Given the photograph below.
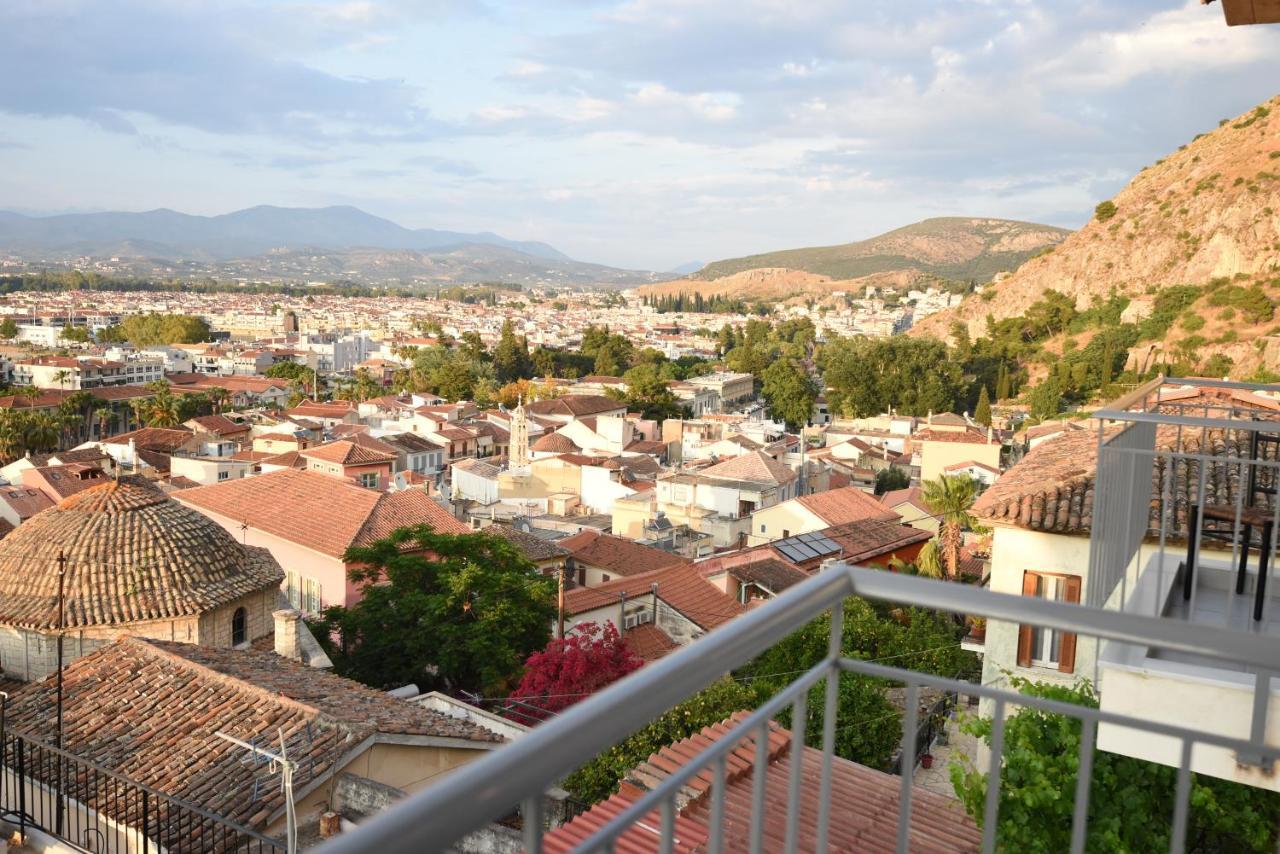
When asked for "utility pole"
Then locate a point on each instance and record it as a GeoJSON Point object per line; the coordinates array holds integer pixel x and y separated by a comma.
{"type": "Point", "coordinates": [560, 601]}
{"type": "Point", "coordinates": [62, 622]}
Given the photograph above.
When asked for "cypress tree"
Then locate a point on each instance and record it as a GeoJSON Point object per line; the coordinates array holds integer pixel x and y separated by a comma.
{"type": "Point", "coordinates": [982, 414]}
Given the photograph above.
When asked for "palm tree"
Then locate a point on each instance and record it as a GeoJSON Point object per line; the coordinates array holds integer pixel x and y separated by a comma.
{"type": "Point", "coordinates": [929, 561]}
{"type": "Point", "coordinates": [62, 377]}
{"type": "Point", "coordinates": [42, 431]}
{"type": "Point", "coordinates": [104, 413]}
{"type": "Point", "coordinates": [11, 444]}
{"type": "Point", "coordinates": [165, 411]}
{"type": "Point", "coordinates": [219, 397]}
{"type": "Point", "coordinates": [950, 497]}
{"type": "Point", "coordinates": [81, 404]}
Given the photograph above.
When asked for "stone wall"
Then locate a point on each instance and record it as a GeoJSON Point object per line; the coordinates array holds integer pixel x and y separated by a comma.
{"type": "Point", "coordinates": [215, 626]}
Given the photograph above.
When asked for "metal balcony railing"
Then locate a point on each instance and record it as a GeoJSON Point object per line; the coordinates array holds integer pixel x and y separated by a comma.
{"type": "Point", "coordinates": [519, 773]}
{"type": "Point", "coordinates": [1184, 465]}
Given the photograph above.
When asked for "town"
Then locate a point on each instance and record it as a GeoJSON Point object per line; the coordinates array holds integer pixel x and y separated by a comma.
{"type": "Point", "coordinates": [379, 473]}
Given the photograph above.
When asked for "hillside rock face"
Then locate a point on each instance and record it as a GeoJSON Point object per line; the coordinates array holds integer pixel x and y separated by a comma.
{"type": "Point", "coordinates": [947, 247]}
{"type": "Point", "coordinates": [1209, 210]}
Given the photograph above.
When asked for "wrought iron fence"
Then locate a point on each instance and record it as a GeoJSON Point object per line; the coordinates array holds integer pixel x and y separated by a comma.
{"type": "Point", "coordinates": [60, 794]}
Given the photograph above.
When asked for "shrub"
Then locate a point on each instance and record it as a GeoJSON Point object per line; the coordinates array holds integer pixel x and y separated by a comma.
{"type": "Point", "coordinates": [1105, 210]}
{"type": "Point", "coordinates": [1192, 322]}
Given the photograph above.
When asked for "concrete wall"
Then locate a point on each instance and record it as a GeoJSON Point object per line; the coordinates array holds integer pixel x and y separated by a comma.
{"type": "Point", "coordinates": [781, 520]}
{"type": "Point", "coordinates": [936, 456]}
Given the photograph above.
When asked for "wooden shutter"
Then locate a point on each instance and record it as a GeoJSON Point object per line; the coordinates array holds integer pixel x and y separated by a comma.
{"type": "Point", "coordinates": [1067, 650]}
{"type": "Point", "coordinates": [1030, 583]}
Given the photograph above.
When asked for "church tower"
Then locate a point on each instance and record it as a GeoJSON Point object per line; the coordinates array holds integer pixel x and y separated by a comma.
{"type": "Point", "coordinates": [519, 438]}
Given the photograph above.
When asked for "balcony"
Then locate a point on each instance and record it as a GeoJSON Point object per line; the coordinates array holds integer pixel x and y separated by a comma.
{"type": "Point", "coordinates": [752, 786]}
{"type": "Point", "coordinates": [1184, 520]}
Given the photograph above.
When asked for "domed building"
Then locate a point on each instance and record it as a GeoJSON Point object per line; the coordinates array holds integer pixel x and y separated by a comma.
{"type": "Point", "coordinates": [136, 562]}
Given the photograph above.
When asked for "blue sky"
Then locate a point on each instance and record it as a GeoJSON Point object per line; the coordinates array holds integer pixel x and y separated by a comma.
{"type": "Point", "coordinates": [645, 133]}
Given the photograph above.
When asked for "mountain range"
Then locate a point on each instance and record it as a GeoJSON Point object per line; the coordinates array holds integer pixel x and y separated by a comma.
{"type": "Point", "coordinates": [1205, 219]}
{"type": "Point", "coordinates": [277, 242]}
{"type": "Point", "coordinates": [944, 248]}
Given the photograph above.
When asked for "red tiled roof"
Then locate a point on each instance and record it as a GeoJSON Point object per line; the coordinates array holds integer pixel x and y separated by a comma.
{"type": "Point", "coordinates": [576, 405]}
{"type": "Point", "coordinates": [864, 820]}
{"type": "Point", "coordinates": [967, 436]}
{"type": "Point", "coordinates": [649, 642]}
{"type": "Point", "coordinates": [219, 425]}
{"type": "Point", "coordinates": [681, 586]}
{"type": "Point", "coordinates": [166, 439]}
{"type": "Point", "coordinates": [617, 555]}
{"type": "Point", "coordinates": [317, 511]}
{"type": "Point", "coordinates": [754, 466]}
{"type": "Point", "coordinates": [149, 710]}
{"type": "Point", "coordinates": [841, 506]}
{"type": "Point", "coordinates": [350, 453]}
{"type": "Point", "coordinates": [869, 539]}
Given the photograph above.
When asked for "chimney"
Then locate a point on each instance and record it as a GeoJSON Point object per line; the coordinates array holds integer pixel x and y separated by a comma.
{"type": "Point", "coordinates": [287, 631]}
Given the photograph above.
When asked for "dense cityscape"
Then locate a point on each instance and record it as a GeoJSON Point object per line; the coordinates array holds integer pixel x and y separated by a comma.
{"type": "Point", "coordinates": [323, 531]}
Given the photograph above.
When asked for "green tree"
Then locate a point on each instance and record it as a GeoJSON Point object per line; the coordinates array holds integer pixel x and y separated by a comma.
{"type": "Point", "coordinates": [929, 561]}
{"type": "Point", "coordinates": [456, 612]}
{"type": "Point", "coordinates": [76, 334]}
{"type": "Point", "coordinates": [648, 393]}
{"type": "Point", "coordinates": [1130, 800]}
{"type": "Point", "coordinates": [887, 480]}
{"type": "Point", "coordinates": [913, 375]}
{"type": "Point", "coordinates": [1105, 210]}
{"type": "Point", "coordinates": [511, 357]}
{"type": "Point", "coordinates": [983, 412]}
{"type": "Point", "coordinates": [790, 392]}
{"type": "Point", "coordinates": [951, 497]}
{"type": "Point", "coordinates": [1045, 399]}
{"type": "Point", "coordinates": [599, 778]}
{"type": "Point", "coordinates": [147, 329]}
{"type": "Point", "coordinates": [8, 329]}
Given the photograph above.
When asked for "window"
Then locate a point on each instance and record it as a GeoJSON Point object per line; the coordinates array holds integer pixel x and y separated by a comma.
{"type": "Point", "coordinates": [223, 475]}
{"type": "Point", "coordinates": [1042, 647]}
{"type": "Point", "coordinates": [369, 480]}
{"type": "Point", "coordinates": [311, 601]}
{"type": "Point", "coordinates": [239, 627]}
{"type": "Point", "coordinates": [762, 528]}
{"type": "Point", "coordinates": [293, 589]}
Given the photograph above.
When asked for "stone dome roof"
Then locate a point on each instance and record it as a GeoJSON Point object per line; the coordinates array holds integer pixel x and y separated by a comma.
{"type": "Point", "coordinates": [555, 443]}
{"type": "Point", "coordinates": [133, 554]}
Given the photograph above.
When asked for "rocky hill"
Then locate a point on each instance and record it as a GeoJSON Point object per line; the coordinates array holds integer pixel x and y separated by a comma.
{"type": "Point", "coordinates": [1207, 214]}
{"type": "Point", "coordinates": [955, 248]}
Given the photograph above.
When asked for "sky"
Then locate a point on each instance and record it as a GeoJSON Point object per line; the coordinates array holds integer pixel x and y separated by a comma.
{"type": "Point", "coordinates": [644, 133]}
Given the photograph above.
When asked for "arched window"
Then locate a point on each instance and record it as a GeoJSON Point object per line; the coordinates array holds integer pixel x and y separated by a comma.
{"type": "Point", "coordinates": [239, 627]}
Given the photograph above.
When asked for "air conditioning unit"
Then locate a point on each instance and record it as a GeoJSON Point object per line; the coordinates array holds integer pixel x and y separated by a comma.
{"type": "Point", "coordinates": [630, 621]}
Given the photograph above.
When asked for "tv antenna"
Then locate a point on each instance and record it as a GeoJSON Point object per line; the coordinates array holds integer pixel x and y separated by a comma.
{"type": "Point", "coordinates": [277, 763]}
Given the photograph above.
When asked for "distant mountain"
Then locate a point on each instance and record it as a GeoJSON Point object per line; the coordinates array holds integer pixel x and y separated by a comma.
{"type": "Point", "coordinates": [307, 243]}
{"type": "Point", "coordinates": [687, 267]}
{"type": "Point", "coordinates": [1202, 221]}
{"type": "Point", "coordinates": [169, 234]}
{"type": "Point", "coordinates": [957, 248]}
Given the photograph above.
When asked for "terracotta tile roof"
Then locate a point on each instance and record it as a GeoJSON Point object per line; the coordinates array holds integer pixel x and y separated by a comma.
{"type": "Point", "coordinates": [349, 453]}
{"type": "Point", "coordinates": [576, 405]}
{"type": "Point", "coordinates": [910, 495]}
{"type": "Point", "coordinates": [25, 502]}
{"type": "Point", "coordinates": [165, 439]}
{"type": "Point", "coordinates": [219, 425]}
{"type": "Point", "coordinates": [869, 539]}
{"type": "Point", "coordinates": [480, 468]}
{"type": "Point", "coordinates": [1050, 489]}
{"type": "Point", "coordinates": [617, 555]}
{"type": "Point", "coordinates": [313, 409]}
{"type": "Point", "coordinates": [533, 547]}
{"type": "Point", "coordinates": [681, 586]}
{"type": "Point", "coordinates": [755, 467]}
{"type": "Point", "coordinates": [649, 642]}
{"type": "Point", "coordinates": [177, 562]}
{"type": "Point", "coordinates": [291, 459]}
{"type": "Point", "coordinates": [63, 481]}
{"type": "Point", "coordinates": [149, 710]}
{"type": "Point", "coordinates": [841, 506]}
{"type": "Point", "coordinates": [864, 820]}
{"type": "Point", "coordinates": [967, 436]}
{"type": "Point", "coordinates": [409, 443]}
{"type": "Point", "coordinates": [768, 571]}
{"type": "Point", "coordinates": [323, 513]}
